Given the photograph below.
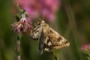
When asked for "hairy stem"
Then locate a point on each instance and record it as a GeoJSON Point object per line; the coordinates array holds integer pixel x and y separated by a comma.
{"type": "Point", "coordinates": [18, 48]}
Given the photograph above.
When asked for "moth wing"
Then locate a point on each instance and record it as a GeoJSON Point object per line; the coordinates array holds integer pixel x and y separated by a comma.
{"type": "Point", "coordinates": [41, 44]}
{"type": "Point", "coordinates": [36, 33]}
{"type": "Point", "coordinates": [43, 38]}
{"type": "Point", "coordinates": [57, 40]}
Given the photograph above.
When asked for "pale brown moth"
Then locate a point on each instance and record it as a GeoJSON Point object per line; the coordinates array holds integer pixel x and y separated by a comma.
{"type": "Point", "coordinates": [49, 39]}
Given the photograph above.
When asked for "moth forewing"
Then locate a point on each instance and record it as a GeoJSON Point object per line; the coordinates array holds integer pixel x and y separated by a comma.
{"type": "Point", "coordinates": [55, 41]}
{"type": "Point", "coordinates": [37, 32]}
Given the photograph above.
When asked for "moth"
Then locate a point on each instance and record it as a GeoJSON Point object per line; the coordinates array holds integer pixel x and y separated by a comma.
{"type": "Point", "coordinates": [49, 39]}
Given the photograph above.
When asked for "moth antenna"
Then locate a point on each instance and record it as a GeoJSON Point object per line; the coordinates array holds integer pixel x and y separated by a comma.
{"type": "Point", "coordinates": [37, 17]}
{"type": "Point", "coordinates": [43, 16]}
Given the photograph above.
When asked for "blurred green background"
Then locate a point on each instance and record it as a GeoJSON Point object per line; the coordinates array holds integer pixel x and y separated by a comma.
{"type": "Point", "coordinates": [73, 22]}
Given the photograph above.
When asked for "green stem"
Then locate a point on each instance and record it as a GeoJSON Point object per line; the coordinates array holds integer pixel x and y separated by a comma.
{"type": "Point", "coordinates": [18, 48]}
{"type": "Point", "coordinates": [20, 16]}
{"type": "Point", "coordinates": [55, 55]}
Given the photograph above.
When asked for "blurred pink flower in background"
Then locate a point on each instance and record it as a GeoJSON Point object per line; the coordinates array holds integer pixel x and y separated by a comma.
{"type": "Point", "coordinates": [36, 8]}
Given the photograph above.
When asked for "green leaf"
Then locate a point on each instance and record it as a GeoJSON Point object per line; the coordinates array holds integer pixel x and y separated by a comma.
{"type": "Point", "coordinates": [26, 15]}
{"type": "Point", "coordinates": [18, 17]}
{"type": "Point", "coordinates": [18, 8]}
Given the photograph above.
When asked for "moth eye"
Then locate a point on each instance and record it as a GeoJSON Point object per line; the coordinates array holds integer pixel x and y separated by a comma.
{"type": "Point", "coordinates": [59, 39]}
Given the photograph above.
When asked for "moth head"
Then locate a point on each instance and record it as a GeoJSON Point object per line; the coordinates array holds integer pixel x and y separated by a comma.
{"type": "Point", "coordinates": [42, 23]}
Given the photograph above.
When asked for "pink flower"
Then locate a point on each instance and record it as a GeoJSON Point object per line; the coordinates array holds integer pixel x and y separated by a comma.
{"type": "Point", "coordinates": [85, 48]}
{"type": "Point", "coordinates": [52, 4]}
{"type": "Point", "coordinates": [22, 27]}
{"type": "Point", "coordinates": [32, 13]}
{"type": "Point", "coordinates": [24, 3]}
{"type": "Point", "coordinates": [36, 8]}
{"type": "Point", "coordinates": [48, 15]}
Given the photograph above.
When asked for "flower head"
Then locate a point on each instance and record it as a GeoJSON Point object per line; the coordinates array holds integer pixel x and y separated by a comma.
{"type": "Point", "coordinates": [22, 27]}
{"type": "Point", "coordinates": [86, 48]}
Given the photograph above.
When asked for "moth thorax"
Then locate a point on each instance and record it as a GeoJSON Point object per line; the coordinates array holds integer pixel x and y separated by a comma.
{"type": "Point", "coordinates": [42, 21]}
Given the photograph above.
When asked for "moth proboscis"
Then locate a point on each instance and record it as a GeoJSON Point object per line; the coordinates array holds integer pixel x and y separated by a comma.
{"type": "Point", "coordinates": [49, 39]}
